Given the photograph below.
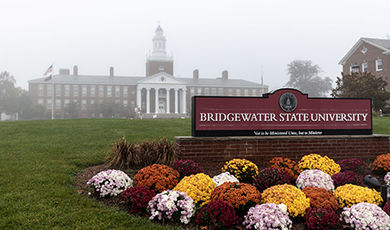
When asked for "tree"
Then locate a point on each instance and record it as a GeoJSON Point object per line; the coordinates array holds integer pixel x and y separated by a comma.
{"type": "Point", "coordinates": [9, 94]}
{"type": "Point", "coordinates": [304, 77]}
{"type": "Point", "coordinates": [109, 109]}
{"type": "Point", "coordinates": [364, 85]}
{"type": "Point", "coordinates": [72, 110]}
{"type": "Point", "coordinates": [28, 109]}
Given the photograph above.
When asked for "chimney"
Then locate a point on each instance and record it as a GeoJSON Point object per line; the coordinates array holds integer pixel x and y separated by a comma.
{"type": "Point", "coordinates": [224, 75]}
{"type": "Point", "coordinates": [64, 72]}
{"type": "Point", "coordinates": [111, 71]}
{"type": "Point", "coordinates": [75, 70]}
{"type": "Point", "coordinates": [195, 74]}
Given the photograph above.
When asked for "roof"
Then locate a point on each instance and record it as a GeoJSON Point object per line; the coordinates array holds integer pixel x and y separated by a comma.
{"type": "Point", "coordinates": [122, 80]}
{"type": "Point", "coordinates": [383, 44]}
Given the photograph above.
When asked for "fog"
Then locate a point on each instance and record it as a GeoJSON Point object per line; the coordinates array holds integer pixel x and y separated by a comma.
{"type": "Point", "coordinates": [244, 37]}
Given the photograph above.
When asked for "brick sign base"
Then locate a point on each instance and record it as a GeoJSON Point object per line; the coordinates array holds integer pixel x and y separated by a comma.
{"type": "Point", "coordinates": [215, 151]}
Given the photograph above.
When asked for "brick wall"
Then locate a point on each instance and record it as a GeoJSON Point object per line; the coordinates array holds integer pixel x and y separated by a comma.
{"type": "Point", "coordinates": [214, 151]}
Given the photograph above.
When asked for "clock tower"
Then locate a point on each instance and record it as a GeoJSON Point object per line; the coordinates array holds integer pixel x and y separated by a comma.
{"type": "Point", "coordinates": [158, 61]}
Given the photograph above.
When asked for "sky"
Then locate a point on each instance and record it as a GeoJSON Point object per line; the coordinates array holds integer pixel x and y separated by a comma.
{"type": "Point", "coordinates": [246, 37]}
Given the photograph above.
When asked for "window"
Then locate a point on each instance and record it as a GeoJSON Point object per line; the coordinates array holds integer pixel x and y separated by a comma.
{"type": "Point", "coordinates": [92, 102]}
{"type": "Point", "coordinates": [365, 67]}
{"type": "Point", "coordinates": [254, 92]}
{"type": "Point", "coordinates": [220, 91]}
{"type": "Point", "coordinates": [101, 91]}
{"type": "Point", "coordinates": [58, 90]}
{"type": "Point", "coordinates": [379, 65]}
{"type": "Point", "coordinates": [40, 90]}
{"type": "Point", "coordinates": [66, 102]}
{"type": "Point", "coordinates": [67, 90]}
{"type": "Point", "coordinates": [117, 101]}
{"type": "Point", "coordinates": [246, 92]}
{"type": "Point", "coordinates": [213, 91]}
{"type": "Point", "coordinates": [355, 68]}
{"type": "Point", "coordinates": [238, 92]}
{"type": "Point", "coordinates": [230, 92]}
{"type": "Point", "coordinates": [40, 101]}
{"type": "Point", "coordinates": [125, 102]}
{"type": "Point", "coordinates": [125, 91]}
{"type": "Point", "coordinates": [192, 90]}
{"type": "Point", "coordinates": [117, 91]}
{"type": "Point", "coordinates": [58, 103]}
{"type": "Point", "coordinates": [48, 104]}
{"type": "Point", "coordinates": [109, 91]}
{"type": "Point", "coordinates": [199, 91]}
{"type": "Point", "coordinates": [75, 91]}
{"type": "Point", "coordinates": [206, 91]}
{"type": "Point", "coordinates": [84, 104]}
{"type": "Point", "coordinates": [84, 90]}
{"type": "Point", "coordinates": [49, 90]}
{"type": "Point", "coordinates": [92, 90]}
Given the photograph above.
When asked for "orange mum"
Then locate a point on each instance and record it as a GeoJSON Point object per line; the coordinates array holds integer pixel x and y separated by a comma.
{"type": "Point", "coordinates": [320, 198]}
{"type": "Point", "coordinates": [157, 177]}
{"type": "Point", "coordinates": [382, 163]}
{"type": "Point", "coordinates": [287, 165]}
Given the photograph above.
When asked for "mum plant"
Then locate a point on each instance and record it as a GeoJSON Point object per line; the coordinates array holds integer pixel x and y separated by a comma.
{"type": "Point", "coordinates": [171, 205]}
{"type": "Point", "coordinates": [295, 200]}
{"type": "Point", "coordinates": [110, 182]}
{"type": "Point", "coordinates": [199, 187]}
{"type": "Point", "coordinates": [387, 179]}
{"type": "Point", "coordinates": [157, 177]}
{"type": "Point", "coordinates": [224, 177]}
{"type": "Point", "coordinates": [321, 219]}
{"type": "Point", "coordinates": [320, 198]}
{"type": "Point", "coordinates": [316, 161]}
{"type": "Point", "coordinates": [287, 165]}
{"type": "Point", "coordinates": [268, 216]}
{"type": "Point", "coordinates": [269, 177]}
{"type": "Point", "coordinates": [381, 164]}
{"type": "Point", "coordinates": [137, 198]}
{"type": "Point", "coordinates": [386, 208]}
{"type": "Point", "coordinates": [349, 194]}
{"type": "Point", "coordinates": [316, 178]}
{"type": "Point", "coordinates": [347, 177]}
{"type": "Point", "coordinates": [187, 167]}
{"type": "Point", "coordinates": [217, 215]}
{"type": "Point", "coordinates": [366, 216]}
{"type": "Point", "coordinates": [241, 196]}
{"type": "Point", "coordinates": [242, 169]}
{"type": "Point", "coordinates": [353, 164]}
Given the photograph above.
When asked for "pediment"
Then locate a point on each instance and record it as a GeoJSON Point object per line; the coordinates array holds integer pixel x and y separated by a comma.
{"type": "Point", "coordinates": [161, 78]}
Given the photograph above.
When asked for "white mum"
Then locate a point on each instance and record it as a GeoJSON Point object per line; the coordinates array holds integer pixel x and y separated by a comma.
{"type": "Point", "coordinates": [316, 178]}
{"type": "Point", "coordinates": [110, 182]}
{"type": "Point", "coordinates": [224, 177]}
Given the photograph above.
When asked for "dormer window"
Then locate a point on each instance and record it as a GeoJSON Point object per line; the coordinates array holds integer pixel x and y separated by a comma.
{"type": "Point", "coordinates": [379, 65]}
{"type": "Point", "coordinates": [161, 68]}
{"type": "Point", "coordinates": [364, 50]}
{"type": "Point", "coordinates": [355, 68]}
{"type": "Point", "coordinates": [365, 67]}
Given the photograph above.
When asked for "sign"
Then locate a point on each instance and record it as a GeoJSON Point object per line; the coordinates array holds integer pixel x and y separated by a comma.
{"type": "Point", "coordinates": [285, 112]}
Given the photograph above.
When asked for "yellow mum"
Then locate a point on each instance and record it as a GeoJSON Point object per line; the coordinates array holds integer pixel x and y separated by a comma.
{"type": "Point", "coordinates": [349, 194]}
{"type": "Point", "coordinates": [242, 169]}
{"type": "Point", "coordinates": [295, 200]}
{"type": "Point", "coordinates": [316, 161]}
{"type": "Point", "coordinates": [199, 187]}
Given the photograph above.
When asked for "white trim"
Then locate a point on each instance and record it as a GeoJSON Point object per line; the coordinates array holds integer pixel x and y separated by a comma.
{"type": "Point", "coordinates": [357, 45]}
{"type": "Point", "coordinates": [376, 65]}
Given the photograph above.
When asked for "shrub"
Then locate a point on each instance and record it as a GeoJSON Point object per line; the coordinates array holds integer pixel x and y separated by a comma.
{"type": "Point", "coordinates": [242, 169]}
{"type": "Point", "coordinates": [137, 198]}
{"type": "Point", "coordinates": [269, 177]}
{"type": "Point", "coordinates": [320, 198]}
{"type": "Point", "coordinates": [365, 216]}
{"type": "Point", "coordinates": [110, 182]}
{"type": "Point", "coordinates": [187, 167]}
{"type": "Point", "coordinates": [267, 216]}
{"type": "Point", "coordinates": [295, 200]}
{"type": "Point", "coordinates": [224, 177]}
{"type": "Point", "coordinates": [199, 187]}
{"type": "Point", "coordinates": [157, 177]}
{"type": "Point", "coordinates": [287, 165]}
{"type": "Point", "coordinates": [381, 164]}
{"type": "Point", "coordinates": [171, 205]}
{"type": "Point", "coordinates": [125, 155]}
{"type": "Point", "coordinates": [316, 178]}
{"type": "Point", "coordinates": [347, 177]}
{"type": "Point", "coordinates": [353, 164]}
{"type": "Point", "coordinates": [386, 208]}
{"type": "Point", "coordinates": [217, 215]}
{"type": "Point", "coordinates": [240, 195]}
{"type": "Point", "coordinates": [315, 161]}
{"type": "Point", "coordinates": [349, 194]}
{"type": "Point", "coordinates": [321, 218]}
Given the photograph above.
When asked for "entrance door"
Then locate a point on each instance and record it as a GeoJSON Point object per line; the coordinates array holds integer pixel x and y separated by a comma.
{"type": "Point", "coordinates": [161, 106]}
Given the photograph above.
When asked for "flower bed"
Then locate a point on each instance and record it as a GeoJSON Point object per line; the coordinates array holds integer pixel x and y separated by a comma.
{"type": "Point", "coordinates": [157, 177]}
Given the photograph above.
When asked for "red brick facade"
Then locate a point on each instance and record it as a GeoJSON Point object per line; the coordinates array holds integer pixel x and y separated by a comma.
{"type": "Point", "coordinates": [214, 151]}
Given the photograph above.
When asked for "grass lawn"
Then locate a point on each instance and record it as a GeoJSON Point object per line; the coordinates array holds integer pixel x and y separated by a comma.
{"type": "Point", "coordinates": [39, 161]}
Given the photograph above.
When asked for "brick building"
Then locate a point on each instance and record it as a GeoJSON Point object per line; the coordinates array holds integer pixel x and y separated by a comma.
{"type": "Point", "coordinates": [159, 93]}
{"type": "Point", "coordinates": [369, 55]}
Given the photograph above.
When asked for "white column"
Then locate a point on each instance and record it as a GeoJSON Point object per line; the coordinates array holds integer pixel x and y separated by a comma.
{"type": "Point", "coordinates": [148, 100]}
{"type": "Point", "coordinates": [176, 101]}
{"type": "Point", "coordinates": [156, 99]}
{"type": "Point", "coordinates": [184, 103]}
{"type": "Point", "coordinates": [138, 98]}
{"type": "Point", "coordinates": [168, 97]}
